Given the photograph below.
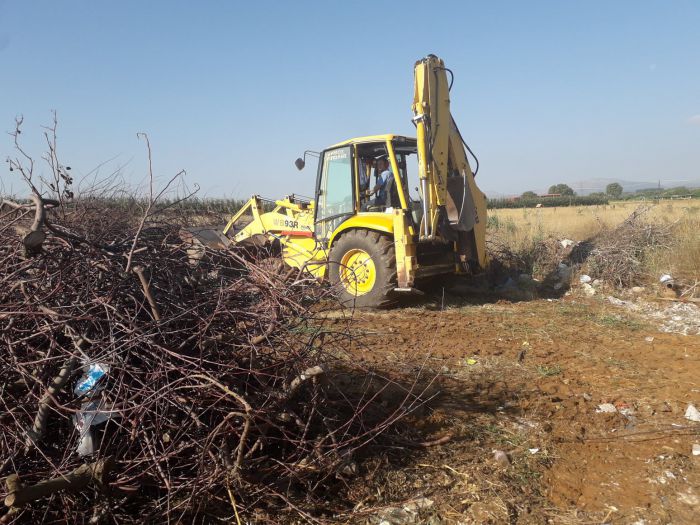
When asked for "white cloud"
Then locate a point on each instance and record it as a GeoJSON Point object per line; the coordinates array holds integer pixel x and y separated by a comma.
{"type": "Point", "coordinates": [695, 119]}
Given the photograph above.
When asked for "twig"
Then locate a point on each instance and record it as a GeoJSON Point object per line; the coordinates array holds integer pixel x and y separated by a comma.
{"type": "Point", "coordinates": [138, 270]}
{"type": "Point", "coordinates": [75, 480]}
{"type": "Point", "coordinates": [39, 427]}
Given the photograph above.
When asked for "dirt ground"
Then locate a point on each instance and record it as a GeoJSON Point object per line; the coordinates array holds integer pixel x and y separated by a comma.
{"type": "Point", "coordinates": [526, 379]}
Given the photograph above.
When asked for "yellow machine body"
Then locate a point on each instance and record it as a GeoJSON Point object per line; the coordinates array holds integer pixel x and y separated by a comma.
{"type": "Point", "coordinates": [389, 245]}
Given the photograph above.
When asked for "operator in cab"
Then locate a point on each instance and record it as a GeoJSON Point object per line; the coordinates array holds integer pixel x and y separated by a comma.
{"type": "Point", "coordinates": [384, 176]}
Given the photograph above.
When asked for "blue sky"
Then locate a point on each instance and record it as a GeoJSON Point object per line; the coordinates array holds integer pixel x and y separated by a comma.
{"type": "Point", "coordinates": [233, 92]}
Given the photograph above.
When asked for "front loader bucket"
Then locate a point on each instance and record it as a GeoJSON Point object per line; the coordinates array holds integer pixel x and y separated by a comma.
{"type": "Point", "coordinates": [209, 236]}
{"type": "Point", "coordinates": [199, 238]}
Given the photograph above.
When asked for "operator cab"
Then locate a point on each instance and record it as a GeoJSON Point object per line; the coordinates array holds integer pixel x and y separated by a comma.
{"type": "Point", "coordinates": [350, 180]}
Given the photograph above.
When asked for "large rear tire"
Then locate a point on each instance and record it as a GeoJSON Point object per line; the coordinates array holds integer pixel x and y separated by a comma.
{"type": "Point", "coordinates": [362, 266]}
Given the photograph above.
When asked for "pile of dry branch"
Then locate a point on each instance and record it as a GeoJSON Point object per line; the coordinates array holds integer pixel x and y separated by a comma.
{"type": "Point", "coordinates": [618, 254]}
{"type": "Point", "coordinates": [170, 389]}
{"type": "Point", "coordinates": [144, 379]}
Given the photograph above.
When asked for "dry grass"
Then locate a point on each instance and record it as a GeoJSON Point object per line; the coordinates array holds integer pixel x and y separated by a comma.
{"type": "Point", "coordinates": [582, 222]}
{"type": "Point", "coordinates": [520, 229]}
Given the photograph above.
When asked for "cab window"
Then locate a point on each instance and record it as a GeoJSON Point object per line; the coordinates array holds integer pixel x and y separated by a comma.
{"type": "Point", "coordinates": [335, 191]}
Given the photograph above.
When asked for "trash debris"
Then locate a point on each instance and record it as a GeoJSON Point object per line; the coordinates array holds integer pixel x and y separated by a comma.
{"type": "Point", "coordinates": [418, 504]}
{"type": "Point", "coordinates": [501, 457]}
{"type": "Point", "coordinates": [585, 279]}
{"type": "Point", "coordinates": [606, 408]}
{"type": "Point", "coordinates": [588, 289]}
{"type": "Point", "coordinates": [533, 450]}
{"type": "Point", "coordinates": [91, 414]}
{"type": "Point", "coordinates": [696, 449]}
{"type": "Point", "coordinates": [626, 411]}
{"type": "Point", "coordinates": [692, 413]}
{"type": "Point", "coordinates": [665, 278]}
{"type": "Point", "coordinates": [689, 498]}
{"type": "Point", "coordinates": [587, 397]}
{"type": "Point", "coordinates": [567, 243]}
{"type": "Point", "coordinates": [395, 516]}
{"type": "Point", "coordinates": [649, 339]}
{"type": "Point", "coordinates": [90, 378]}
{"type": "Point", "coordinates": [471, 361]}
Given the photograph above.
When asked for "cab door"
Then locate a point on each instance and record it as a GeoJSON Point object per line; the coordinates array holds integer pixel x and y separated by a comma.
{"type": "Point", "coordinates": [335, 191]}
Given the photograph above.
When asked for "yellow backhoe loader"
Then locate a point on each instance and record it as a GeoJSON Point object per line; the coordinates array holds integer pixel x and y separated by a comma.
{"type": "Point", "coordinates": [374, 239]}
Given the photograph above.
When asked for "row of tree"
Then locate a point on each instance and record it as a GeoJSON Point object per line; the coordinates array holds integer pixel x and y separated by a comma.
{"type": "Point", "coordinates": [612, 190]}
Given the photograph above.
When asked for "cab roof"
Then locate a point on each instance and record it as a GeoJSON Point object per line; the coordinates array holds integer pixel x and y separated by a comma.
{"type": "Point", "coordinates": [373, 138]}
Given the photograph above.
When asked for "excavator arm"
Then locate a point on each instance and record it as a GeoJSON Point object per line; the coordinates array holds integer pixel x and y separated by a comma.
{"type": "Point", "coordinates": [453, 206]}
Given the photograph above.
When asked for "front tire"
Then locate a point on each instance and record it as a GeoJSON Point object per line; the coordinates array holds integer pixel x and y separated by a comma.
{"type": "Point", "coordinates": [362, 265]}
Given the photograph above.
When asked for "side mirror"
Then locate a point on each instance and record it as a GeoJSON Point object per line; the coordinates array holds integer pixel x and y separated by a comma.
{"type": "Point", "coordinates": [299, 163]}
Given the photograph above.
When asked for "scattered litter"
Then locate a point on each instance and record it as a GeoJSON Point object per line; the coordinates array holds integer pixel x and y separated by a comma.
{"type": "Point", "coordinates": [689, 498]}
{"type": "Point", "coordinates": [606, 408]}
{"type": "Point", "coordinates": [501, 457]}
{"type": "Point", "coordinates": [649, 339]}
{"type": "Point", "coordinates": [624, 408]}
{"type": "Point", "coordinates": [692, 413]}
{"type": "Point", "coordinates": [665, 278]}
{"type": "Point", "coordinates": [533, 450]}
{"type": "Point", "coordinates": [619, 302]}
{"type": "Point", "coordinates": [567, 243]}
{"type": "Point", "coordinates": [585, 279]}
{"type": "Point", "coordinates": [677, 318]}
{"type": "Point", "coordinates": [588, 289]}
{"type": "Point", "coordinates": [418, 504]}
{"type": "Point", "coordinates": [525, 343]}
{"type": "Point", "coordinates": [669, 474]}
{"type": "Point", "coordinates": [395, 516]}
{"type": "Point", "coordinates": [90, 378]}
{"type": "Point", "coordinates": [696, 449]}
{"type": "Point", "coordinates": [471, 361]}
{"type": "Point", "coordinates": [91, 414]}
{"type": "Point", "coordinates": [587, 397]}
